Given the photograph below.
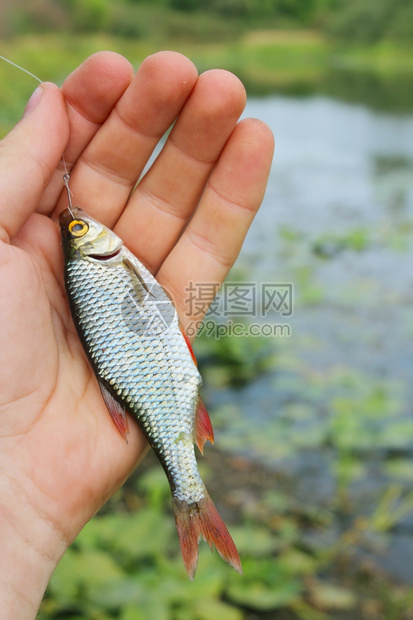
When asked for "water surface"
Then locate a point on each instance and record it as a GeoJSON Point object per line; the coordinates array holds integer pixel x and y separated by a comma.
{"type": "Point", "coordinates": [337, 222]}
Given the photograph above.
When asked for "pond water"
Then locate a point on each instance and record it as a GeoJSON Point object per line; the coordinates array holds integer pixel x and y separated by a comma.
{"type": "Point", "coordinates": [342, 189]}
{"type": "Point", "coordinates": [337, 223]}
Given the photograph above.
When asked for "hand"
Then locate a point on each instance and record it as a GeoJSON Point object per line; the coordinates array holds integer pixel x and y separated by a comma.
{"type": "Point", "coordinates": [61, 457]}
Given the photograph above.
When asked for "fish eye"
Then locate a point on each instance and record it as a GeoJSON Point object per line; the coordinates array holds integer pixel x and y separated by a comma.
{"type": "Point", "coordinates": [78, 228]}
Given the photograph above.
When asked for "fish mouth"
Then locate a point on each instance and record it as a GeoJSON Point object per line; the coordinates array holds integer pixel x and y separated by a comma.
{"type": "Point", "coordinates": [105, 257]}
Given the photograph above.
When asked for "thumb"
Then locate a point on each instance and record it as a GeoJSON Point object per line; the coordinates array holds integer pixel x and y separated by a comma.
{"type": "Point", "coordinates": [29, 154]}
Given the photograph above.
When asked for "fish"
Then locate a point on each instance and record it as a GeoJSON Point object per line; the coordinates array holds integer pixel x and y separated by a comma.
{"type": "Point", "coordinates": [145, 366]}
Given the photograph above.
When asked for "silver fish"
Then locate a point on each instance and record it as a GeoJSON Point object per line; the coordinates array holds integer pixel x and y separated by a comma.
{"type": "Point", "coordinates": [145, 366]}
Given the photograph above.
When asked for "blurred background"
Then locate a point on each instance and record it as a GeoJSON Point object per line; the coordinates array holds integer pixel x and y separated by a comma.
{"type": "Point", "coordinates": [312, 467]}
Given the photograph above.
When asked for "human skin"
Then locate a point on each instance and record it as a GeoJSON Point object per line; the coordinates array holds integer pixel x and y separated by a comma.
{"type": "Point", "coordinates": [61, 457]}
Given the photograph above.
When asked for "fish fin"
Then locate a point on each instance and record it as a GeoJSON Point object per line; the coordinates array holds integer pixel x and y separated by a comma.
{"type": "Point", "coordinates": [188, 344]}
{"type": "Point", "coordinates": [203, 426]}
{"type": "Point", "coordinates": [135, 270]}
{"type": "Point", "coordinates": [116, 411]}
{"type": "Point", "coordinates": [202, 519]}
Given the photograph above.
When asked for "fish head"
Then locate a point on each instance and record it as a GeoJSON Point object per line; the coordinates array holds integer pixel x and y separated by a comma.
{"type": "Point", "coordinates": [86, 238]}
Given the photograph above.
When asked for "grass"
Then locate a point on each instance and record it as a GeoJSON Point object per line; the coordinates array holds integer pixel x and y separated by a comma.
{"type": "Point", "coordinates": [294, 62]}
{"type": "Point", "coordinates": [385, 58]}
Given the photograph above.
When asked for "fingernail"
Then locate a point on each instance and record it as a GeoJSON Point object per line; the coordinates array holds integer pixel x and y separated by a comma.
{"type": "Point", "coordinates": [33, 101]}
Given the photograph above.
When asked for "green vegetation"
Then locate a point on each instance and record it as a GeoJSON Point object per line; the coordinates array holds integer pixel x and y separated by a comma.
{"type": "Point", "coordinates": [236, 361]}
{"type": "Point", "coordinates": [298, 556]}
{"type": "Point", "coordinates": [371, 21]}
{"type": "Point", "coordinates": [368, 21]}
{"type": "Point", "coordinates": [356, 51]}
{"type": "Point", "coordinates": [267, 61]}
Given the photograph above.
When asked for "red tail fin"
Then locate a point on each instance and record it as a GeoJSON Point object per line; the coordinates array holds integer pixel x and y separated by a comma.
{"type": "Point", "coordinates": [202, 519]}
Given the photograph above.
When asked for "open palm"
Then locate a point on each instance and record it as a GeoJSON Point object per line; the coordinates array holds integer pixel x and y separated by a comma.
{"type": "Point", "coordinates": [60, 455]}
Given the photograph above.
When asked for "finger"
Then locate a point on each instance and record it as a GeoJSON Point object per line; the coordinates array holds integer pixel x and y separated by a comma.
{"type": "Point", "coordinates": [109, 167]}
{"type": "Point", "coordinates": [213, 239]}
{"type": "Point", "coordinates": [91, 92]}
{"type": "Point", "coordinates": [167, 195]}
{"type": "Point", "coordinates": [29, 155]}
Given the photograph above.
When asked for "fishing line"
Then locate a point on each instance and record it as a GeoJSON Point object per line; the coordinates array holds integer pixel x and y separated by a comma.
{"type": "Point", "coordinates": [21, 69]}
{"type": "Point", "coordinates": [66, 179]}
{"type": "Point", "coordinates": [66, 176]}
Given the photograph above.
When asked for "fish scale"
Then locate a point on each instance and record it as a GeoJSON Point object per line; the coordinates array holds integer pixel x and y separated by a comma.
{"type": "Point", "coordinates": [158, 387]}
{"type": "Point", "coordinates": [131, 335]}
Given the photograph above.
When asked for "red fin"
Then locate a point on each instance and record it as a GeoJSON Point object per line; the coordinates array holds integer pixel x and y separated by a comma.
{"type": "Point", "coordinates": [189, 345]}
{"type": "Point", "coordinates": [117, 413]}
{"type": "Point", "coordinates": [203, 426]}
{"type": "Point", "coordinates": [202, 519]}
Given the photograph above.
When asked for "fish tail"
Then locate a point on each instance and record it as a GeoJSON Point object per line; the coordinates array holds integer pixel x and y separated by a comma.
{"type": "Point", "coordinates": [202, 519]}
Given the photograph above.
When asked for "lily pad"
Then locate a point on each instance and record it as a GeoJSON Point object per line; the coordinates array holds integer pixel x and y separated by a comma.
{"type": "Point", "coordinates": [328, 596]}
{"type": "Point", "coordinates": [264, 598]}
